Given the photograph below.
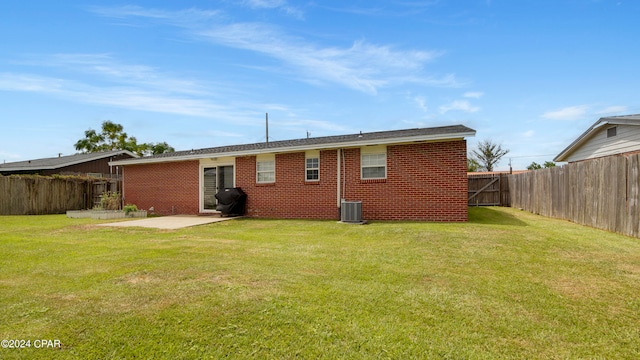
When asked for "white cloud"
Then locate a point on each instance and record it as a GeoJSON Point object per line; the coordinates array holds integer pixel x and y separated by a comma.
{"type": "Point", "coordinates": [276, 4]}
{"type": "Point", "coordinates": [110, 69]}
{"type": "Point", "coordinates": [421, 101]}
{"type": "Point", "coordinates": [458, 105]}
{"type": "Point", "coordinates": [186, 17]}
{"type": "Point", "coordinates": [473, 94]}
{"type": "Point", "coordinates": [528, 134]}
{"type": "Point", "coordinates": [361, 66]}
{"type": "Point", "coordinates": [567, 113]}
{"type": "Point", "coordinates": [29, 83]}
{"type": "Point", "coordinates": [125, 95]}
{"type": "Point", "coordinates": [143, 88]}
{"type": "Point", "coordinates": [613, 110]}
{"type": "Point", "coordinates": [265, 3]}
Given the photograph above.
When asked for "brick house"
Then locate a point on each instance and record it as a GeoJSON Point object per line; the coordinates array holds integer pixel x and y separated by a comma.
{"type": "Point", "coordinates": [412, 174]}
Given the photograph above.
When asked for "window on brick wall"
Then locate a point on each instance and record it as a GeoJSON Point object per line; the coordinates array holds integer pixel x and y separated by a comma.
{"type": "Point", "coordinates": [266, 169]}
{"type": "Point", "coordinates": [373, 162]}
{"type": "Point", "coordinates": [312, 166]}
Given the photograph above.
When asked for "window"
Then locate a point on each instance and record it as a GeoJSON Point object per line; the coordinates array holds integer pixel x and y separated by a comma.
{"type": "Point", "coordinates": [612, 131]}
{"type": "Point", "coordinates": [312, 166]}
{"type": "Point", "coordinates": [373, 163]}
{"type": "Point", "coordinates": [266, 169]}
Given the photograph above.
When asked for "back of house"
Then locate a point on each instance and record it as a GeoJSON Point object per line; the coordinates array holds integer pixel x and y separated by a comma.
{"type": "Point", "coordinates": [411, 174]}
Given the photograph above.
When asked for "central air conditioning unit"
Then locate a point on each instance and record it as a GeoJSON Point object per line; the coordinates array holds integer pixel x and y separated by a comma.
{"type": "Point", "coordinates": [351, 212]}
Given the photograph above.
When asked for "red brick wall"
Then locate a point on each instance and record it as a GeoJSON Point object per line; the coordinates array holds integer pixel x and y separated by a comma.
{"type": "Point", "coordinates": [171, 188]}
{"type": "Point", "coordinates": [290, 196]}
{"type": "Point", "coordinates": [425, 181]}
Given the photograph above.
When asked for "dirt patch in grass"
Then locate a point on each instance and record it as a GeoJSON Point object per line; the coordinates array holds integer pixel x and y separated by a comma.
{"type": "Point", "coordinates": [576, 288]}
{"type": "Point", "coordinates": [631, 271]}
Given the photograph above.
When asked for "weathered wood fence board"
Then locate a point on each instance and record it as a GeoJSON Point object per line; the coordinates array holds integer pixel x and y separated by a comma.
{"type": "Point", "coordinates": [603, 193]}
{"type": "Point", "coordinates": [488, 190]}
{"type": "Point", "coordinates": [37, 195]}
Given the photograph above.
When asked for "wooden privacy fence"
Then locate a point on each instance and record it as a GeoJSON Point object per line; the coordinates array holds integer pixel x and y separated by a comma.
{"type": "Point", "coordinates": [37, 195]}
{"type": "Point", "coordinates": [488, 190]}
{"type": "Point", "coordinates": [603, 193]}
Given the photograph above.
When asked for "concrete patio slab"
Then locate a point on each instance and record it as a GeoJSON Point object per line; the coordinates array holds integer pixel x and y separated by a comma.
{"type": "Point", "coordinates": [170, 222]}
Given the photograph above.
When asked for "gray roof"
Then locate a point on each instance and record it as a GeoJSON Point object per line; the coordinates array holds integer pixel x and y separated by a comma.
{"type": "Point", "coordinates": [60, 162]}
{"type": "Point", "coordinates": [614, 120]}
{"type": "Point", "coordinates": [313, 143]}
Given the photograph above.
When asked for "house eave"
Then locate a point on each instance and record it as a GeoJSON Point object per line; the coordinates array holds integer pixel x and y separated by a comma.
{"type": "Point", "coordinates": [36, 167]}
{"type": "Point", "coordinates": [591, 131]}
{"type": "Point", "coordinates": [287, 149]}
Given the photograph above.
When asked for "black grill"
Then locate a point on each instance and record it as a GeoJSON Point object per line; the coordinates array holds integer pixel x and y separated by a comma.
{"type": "Point", "coordinates": [231, 201]}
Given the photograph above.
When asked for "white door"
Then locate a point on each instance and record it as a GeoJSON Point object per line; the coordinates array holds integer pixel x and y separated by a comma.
{"type": "Point", "coordinates": [215, 179]}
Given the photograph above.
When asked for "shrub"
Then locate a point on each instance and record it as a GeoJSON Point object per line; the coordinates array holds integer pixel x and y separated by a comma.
{"type": "Point", "coordinates": [129, 208]}
{"type": "Point", "coordinates": [110, 201]}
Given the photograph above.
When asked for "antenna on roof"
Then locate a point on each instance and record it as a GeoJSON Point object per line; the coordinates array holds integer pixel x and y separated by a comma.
{"type": "Point", "coordinates": [308, 134]}
{"type": "Point", "coordinates": [267, 126]}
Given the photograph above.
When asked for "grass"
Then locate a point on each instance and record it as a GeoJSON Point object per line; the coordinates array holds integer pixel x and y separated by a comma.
{"type": "Point", "coordinates": [508, 284]}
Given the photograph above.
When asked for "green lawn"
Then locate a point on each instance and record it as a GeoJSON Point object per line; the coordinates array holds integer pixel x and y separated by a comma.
{"type": "Point", "coordinates": [508, 284]}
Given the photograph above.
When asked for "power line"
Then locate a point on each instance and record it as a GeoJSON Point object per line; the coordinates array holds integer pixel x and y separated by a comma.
{"type": "Point", "coordinates": [530, 156]}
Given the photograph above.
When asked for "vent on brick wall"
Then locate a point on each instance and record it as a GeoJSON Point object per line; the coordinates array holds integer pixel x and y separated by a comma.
{"type": "Point", "coordinates": [351, 212]}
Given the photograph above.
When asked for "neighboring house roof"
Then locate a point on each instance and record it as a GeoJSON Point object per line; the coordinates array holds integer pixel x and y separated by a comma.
{"type": "Point", "coordinates": [326, 142]}
{"type": "Point", "coordinates": [594, 129]}
{"type": "Point", "coordinates": [61, 161]}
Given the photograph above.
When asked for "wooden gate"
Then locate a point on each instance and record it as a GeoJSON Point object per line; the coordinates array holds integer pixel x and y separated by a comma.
{"type": "Point", "coordinates": [102, 186]}
{"type": "Point", "coordinates": [489, 190]}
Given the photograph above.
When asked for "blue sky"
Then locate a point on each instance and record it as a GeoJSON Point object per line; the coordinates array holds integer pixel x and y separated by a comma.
{"type": "Point", "coordinates": [531, 75]}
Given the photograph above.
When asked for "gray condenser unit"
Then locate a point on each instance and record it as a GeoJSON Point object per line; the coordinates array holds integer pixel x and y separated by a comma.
{"type": "Point", "coordinates": [351, 211]}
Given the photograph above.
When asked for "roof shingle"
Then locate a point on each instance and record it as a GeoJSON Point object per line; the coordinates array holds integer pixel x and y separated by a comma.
{"type": "Point", "coordinates": [320, 141]}
{"type": "Point", "coordinates": [58, 162]}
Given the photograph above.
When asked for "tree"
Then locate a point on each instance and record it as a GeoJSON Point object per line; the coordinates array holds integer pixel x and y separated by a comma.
{"type": "Point", "coordinates": [473, 165]}
{"type": "Point", "coordinates": [488, 154]}
{"type": "Point", "coordinates": [113, 137]}
{"type": "Point", "coordinates": [535, 166]}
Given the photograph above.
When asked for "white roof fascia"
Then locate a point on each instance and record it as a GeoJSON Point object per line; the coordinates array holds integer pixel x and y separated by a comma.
{"type": "Point", "coordinates": [600, 124]}
{"type": "Point", "coordinates": [285, 149]}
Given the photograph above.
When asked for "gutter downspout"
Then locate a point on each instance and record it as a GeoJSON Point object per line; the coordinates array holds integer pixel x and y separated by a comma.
{"type": "Point", "coordinates": [338, 180]}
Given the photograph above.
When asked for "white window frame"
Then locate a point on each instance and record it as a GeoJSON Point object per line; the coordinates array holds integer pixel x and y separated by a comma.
{"type": "Point", "coordinates": [265, 165]}
{"type": "Point", "coordinates": [311, 155]}
{"type": "Point", "coordinates": [379, 153]}
{"type": "Point", "coordinates": [209, 163]}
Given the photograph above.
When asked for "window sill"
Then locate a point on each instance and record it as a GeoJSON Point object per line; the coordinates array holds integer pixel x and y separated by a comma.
{"type": "Point", "coordinates": [372, 181]}
{"type": "Point", "coordinates": [265, 184]}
